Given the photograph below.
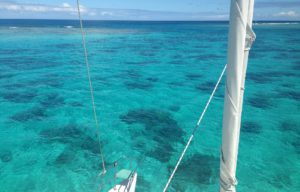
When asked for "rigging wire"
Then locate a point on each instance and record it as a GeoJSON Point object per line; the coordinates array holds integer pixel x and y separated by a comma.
{"type": "Point", "coordinates": [194, 130]}
{"type": "Point", "coordinates": [91, 86]}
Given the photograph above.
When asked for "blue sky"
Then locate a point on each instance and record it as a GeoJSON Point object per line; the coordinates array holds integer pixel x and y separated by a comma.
{"type": "Point", "coordinates": [145, 9]}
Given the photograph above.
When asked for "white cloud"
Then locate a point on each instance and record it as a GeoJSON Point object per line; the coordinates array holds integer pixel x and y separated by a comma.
{"type": "Point", "coordinates": [287, 14]}
{"type": "Point", "coordinates": [65, 7]}
{"type": "Point", "coordinates": [12, 9]}
{"type": "Point", "coordinates": [106, 13]}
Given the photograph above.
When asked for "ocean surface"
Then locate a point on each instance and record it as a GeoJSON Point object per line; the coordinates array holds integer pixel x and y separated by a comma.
{"type": "Point", "coordinates": [151, 82]}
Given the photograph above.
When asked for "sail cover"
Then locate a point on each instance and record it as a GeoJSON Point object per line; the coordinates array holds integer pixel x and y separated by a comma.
{"type": "Point", "coordinates": [240, 40]}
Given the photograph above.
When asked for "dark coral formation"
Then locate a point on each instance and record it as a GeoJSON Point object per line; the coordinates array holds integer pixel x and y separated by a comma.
{"type": "Point", "coordinates": [19, 97]}
{"type": "Point", "coordinates": [6, 156]}
{"type": "Point", "coordinates": [193, 76]}
{"type": "Point", "coordinates": [158, 126]}
{"type": "Point", "coordinates": [72, 135]}
{"type": "Point", "coordinates": [261, 101]}
{"type": "Point", "coordinates": [199, 170]}
{"type": "Point", "coordinates": [35, 113]}
{"type": "Point", "coordinates": [251, 127]}
{"type": "Point", "coordinates": [143, 85]}
{"type": "Point", "coordinates": [206, 87]}
{"type": "Point", "coordinates": [52, 100]}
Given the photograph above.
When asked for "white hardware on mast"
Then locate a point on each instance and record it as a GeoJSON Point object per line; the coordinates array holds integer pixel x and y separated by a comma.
{"type": "Point", "coordinates": [240, 40]}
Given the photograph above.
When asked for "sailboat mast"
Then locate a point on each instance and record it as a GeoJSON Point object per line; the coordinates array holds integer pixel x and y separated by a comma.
{"type": "Point", "coordinates": [240, 40]}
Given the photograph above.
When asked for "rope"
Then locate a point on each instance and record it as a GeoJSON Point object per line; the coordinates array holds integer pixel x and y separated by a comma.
{"type": "Point", "coordinates": [91, 86]}
{"type": "Point", "coordinates": [195, 129]}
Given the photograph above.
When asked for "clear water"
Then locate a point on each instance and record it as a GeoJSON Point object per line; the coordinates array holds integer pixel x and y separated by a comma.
{"type": "Point", "coordinates": [151, 81]}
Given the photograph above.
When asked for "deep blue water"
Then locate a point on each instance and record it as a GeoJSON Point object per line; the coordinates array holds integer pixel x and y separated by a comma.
{"type": "Point", "coordinates": [151, 81]}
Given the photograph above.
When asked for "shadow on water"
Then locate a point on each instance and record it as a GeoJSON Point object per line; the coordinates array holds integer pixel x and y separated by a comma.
{"type": "Point", "coordinates": [198, 170]}
{"type": "Point", "coordinates": [158, 126]}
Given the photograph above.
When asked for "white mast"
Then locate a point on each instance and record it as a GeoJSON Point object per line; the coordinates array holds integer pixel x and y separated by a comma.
{"type": "Point", "coordinates": [240, 40]}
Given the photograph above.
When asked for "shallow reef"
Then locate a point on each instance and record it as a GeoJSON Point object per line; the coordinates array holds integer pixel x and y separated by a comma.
{"type": "Point", "coordinates": [132, 74]}
{"type": "Point", "coordinates": [261, 101]}
{"type": "Point", "coordinates": [72, 135]}
{"type": "Point", "coordinates": [138, 84]}
{"type": "Point", "coordinates": [158, 126]}
{"type": "Point", "coordinates": [207, 87]}
{"type": "Point", "coordinates": [35, 113]}
{"type": "Point", "coordinates": [199, 170]}
{"type": "Point", "coordinates": [251, 127]}
{"type": "Point", "coordinates": [152, 79]}
{"type": "Point", "coordinates": [289, 125]}
{"type": "Point", "coordinates": [289, 94]}
{"type": "Point", "coordinates": [19, 97]}
{"type": "Point", "coordinates": [174, 108]}
{"type": "Point", "coordinates": [176, 84]}
{"type": "Point", "coordinates": [52, 100]}
{"type": "Point", "coordinates": [6, 156]}
{"type": "Point", "coordinates": [193, 76]}
{"type": "Point", "coordinates": [280, 180]}
{"type": "Point", "coordinates": [65, 157]}
{"type": "Point", "coordinates": [259, 78]}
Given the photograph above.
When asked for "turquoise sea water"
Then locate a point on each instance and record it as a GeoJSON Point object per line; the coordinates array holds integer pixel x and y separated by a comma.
{"type": "Point", "coordinates": [151, 81]}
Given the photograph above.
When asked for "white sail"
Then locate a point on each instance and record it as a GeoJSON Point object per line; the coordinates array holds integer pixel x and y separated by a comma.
{"type": "Point", "coordinates": [240, 40]}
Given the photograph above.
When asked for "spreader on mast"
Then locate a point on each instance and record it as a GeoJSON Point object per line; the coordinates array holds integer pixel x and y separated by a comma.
{"type": "Point", "coordinates": [240, 40]}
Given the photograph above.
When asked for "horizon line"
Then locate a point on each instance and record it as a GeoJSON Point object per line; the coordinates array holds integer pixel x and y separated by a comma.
{"type": "Point", "coordinates": [58, 19]}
